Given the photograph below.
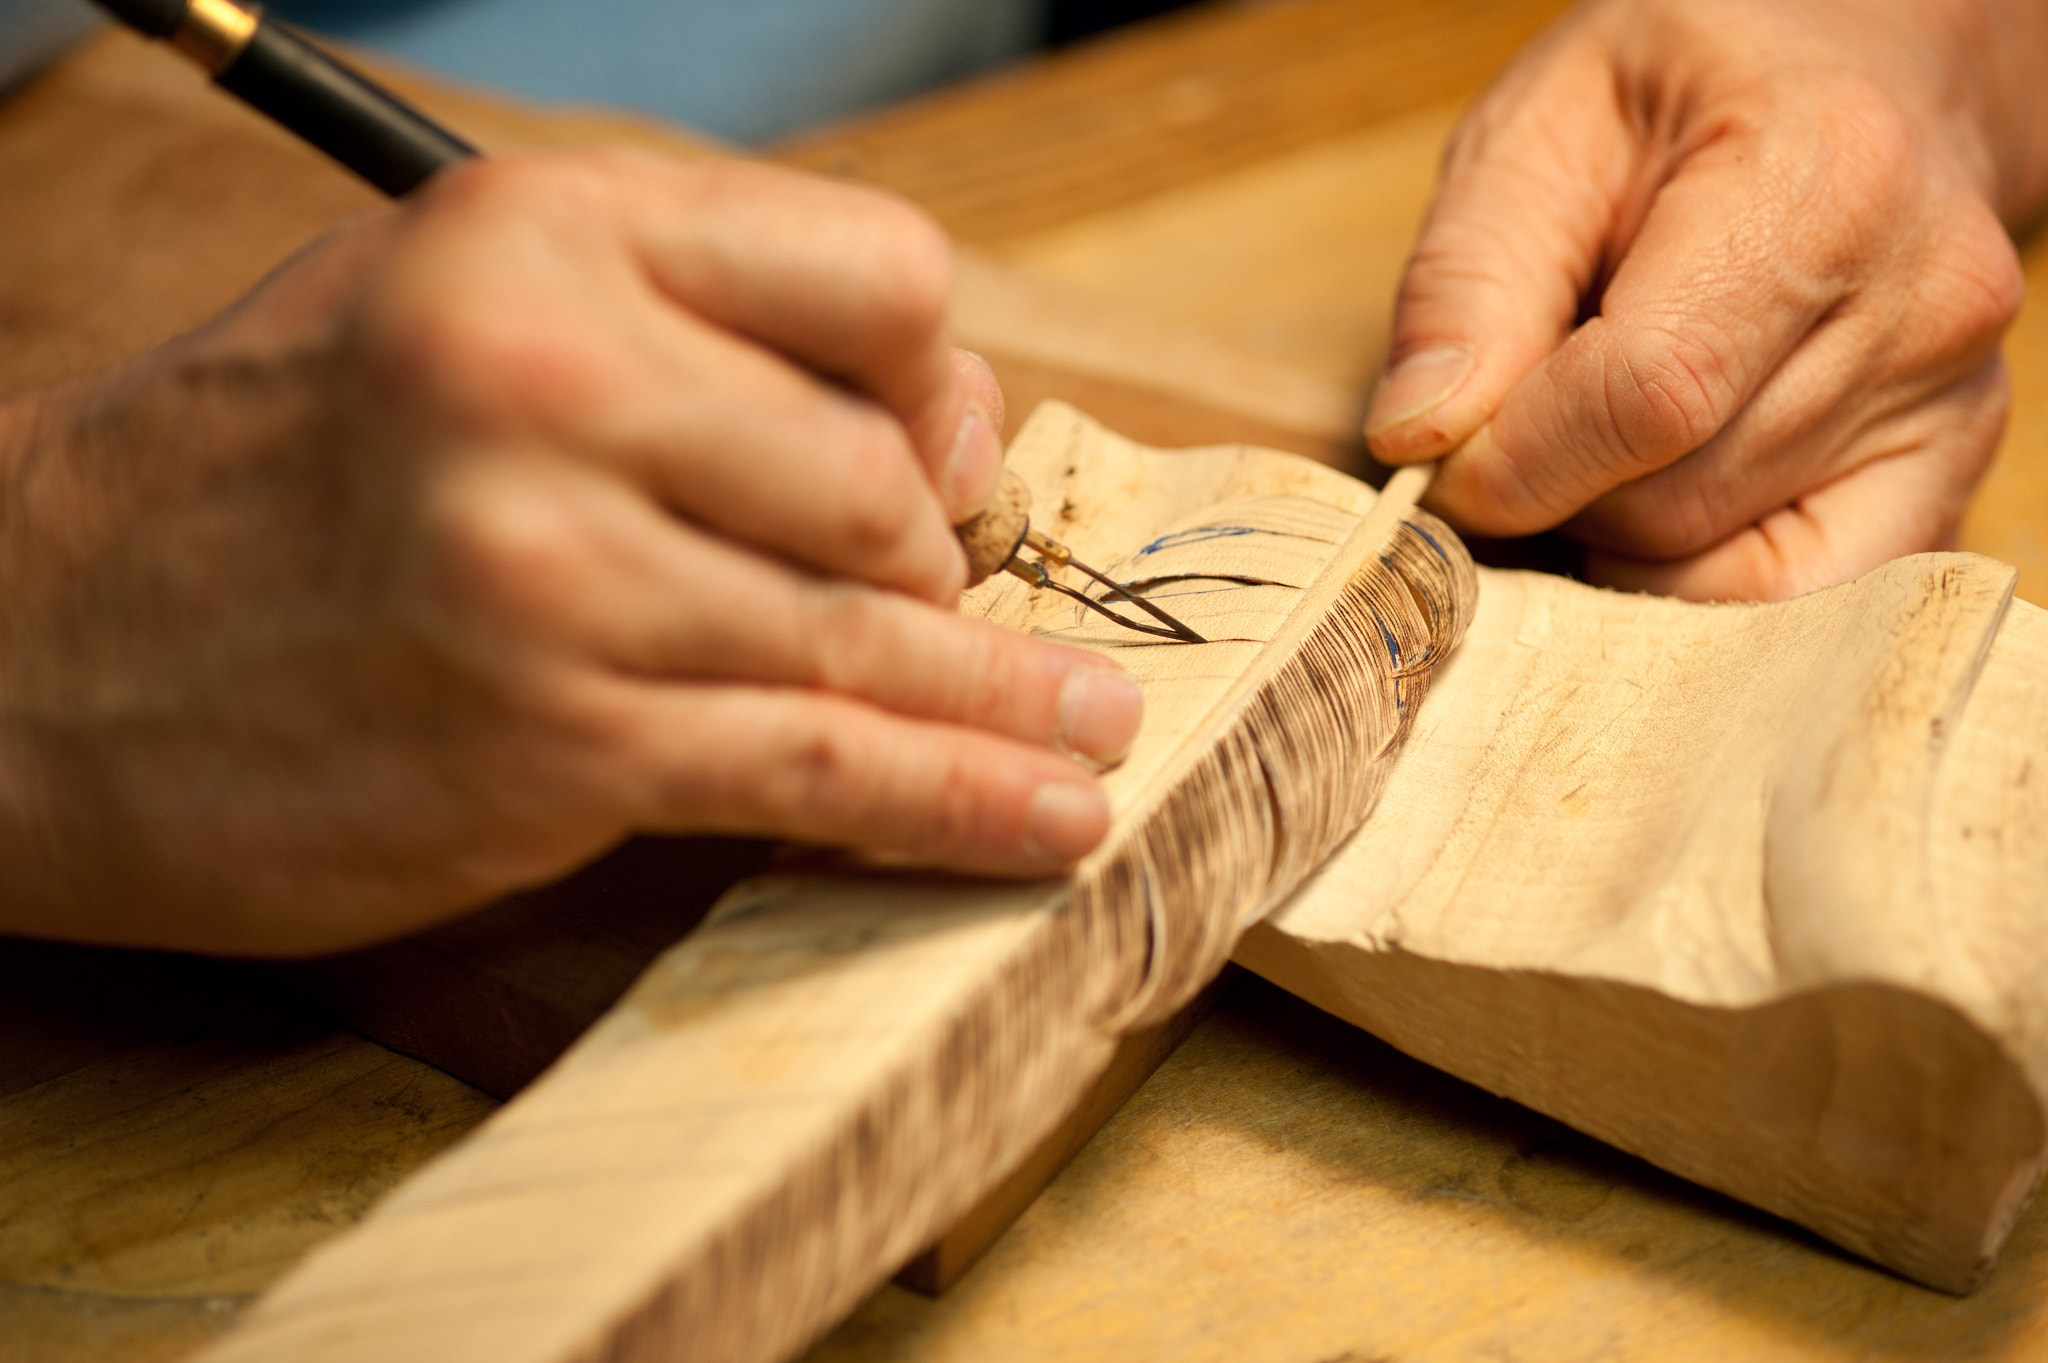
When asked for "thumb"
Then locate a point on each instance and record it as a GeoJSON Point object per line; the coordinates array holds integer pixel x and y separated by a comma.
{"type": "Point", "coordinates": [1512, 243]}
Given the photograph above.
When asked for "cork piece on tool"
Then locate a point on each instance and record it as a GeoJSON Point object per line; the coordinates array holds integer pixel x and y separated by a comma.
{"type": "Point", "coordinates": [992, 537]}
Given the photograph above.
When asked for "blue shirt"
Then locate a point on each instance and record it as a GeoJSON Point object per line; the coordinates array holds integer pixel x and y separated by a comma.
{"type": "Point", "coordinates": [746, 70]}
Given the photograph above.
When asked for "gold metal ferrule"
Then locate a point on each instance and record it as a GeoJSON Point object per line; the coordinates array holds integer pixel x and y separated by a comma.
{"type": "Point", "coordinates": [215, 32]}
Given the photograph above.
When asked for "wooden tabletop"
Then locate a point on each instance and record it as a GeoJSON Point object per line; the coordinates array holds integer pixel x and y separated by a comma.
{"type": "Point", "coordinates": [1245, 178]}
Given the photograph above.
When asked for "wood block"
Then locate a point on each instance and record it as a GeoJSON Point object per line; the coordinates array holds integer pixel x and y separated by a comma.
{"type": "Point", "coordinates": [841, 1062]}
{"type": "Point", "coordinates": [496, 997]}
{"type": "Point", "coordinates": [1137, 1056]}
{"type": "Point", "coordinates": [1759, 893]}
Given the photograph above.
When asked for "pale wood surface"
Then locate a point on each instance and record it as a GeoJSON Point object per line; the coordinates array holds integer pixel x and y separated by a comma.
{"type": "Point", "coordinates": [837, 1065]}
{"type": "Point", "coordinates": [1707, 881]}
{"type": "Point", "coordinates": [1288, 1188]}
{"type": "Point", "coordinates": [171, 1139]}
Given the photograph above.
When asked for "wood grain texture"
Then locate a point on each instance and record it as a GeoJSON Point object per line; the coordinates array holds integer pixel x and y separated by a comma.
{"type": "Point", "coordinates": [1362, 1204]}
{"type": "Point", "coordinates": [837, 1065]}
{"type": "Point", "coordinates": [172, 1139]}
{"type": "Point", "coordinates": [497, 996]}
{"type": "Point", "coordinates": [1169, 103]}
{"type": "Point", "coordinates": [1756, 892]}
{"type": "Point", "coordinates": [1137, 1056]}
{"type": "Point", "coordinates": [1290, 1189]}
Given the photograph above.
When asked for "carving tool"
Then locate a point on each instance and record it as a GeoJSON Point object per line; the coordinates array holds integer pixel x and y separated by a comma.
{"type": "Point", "coordinates": [395, 147]}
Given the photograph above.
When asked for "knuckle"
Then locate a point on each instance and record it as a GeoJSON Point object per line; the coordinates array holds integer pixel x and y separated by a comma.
{"type": "Point", "coordinates": [1974, 282]}
{"type": "Point", "coordinates": [906, 264]}
{"type": "Point", "coordinates": [483, 354]}
{"type": "Point", "coordinates": [1871, 151]}
{"type": "Point", "coordinates": [1665, 392]}
{"type": "Point", "coordinates": [817, 770]}
{"type": "Point", "coordinates": [558, 186]}
{"type": "Point", "coordinates": [914, 260]}
{"type": "Point", "coordinates": [847, 636]}
{"type": "Point", "coordinates": [827, 777]}
{"type": "Point", "coordinates": [987, 671]}
{"type": "Point", "coordinates": [835, 775]}
{"type": "Point", "coordinates": [494, 538]}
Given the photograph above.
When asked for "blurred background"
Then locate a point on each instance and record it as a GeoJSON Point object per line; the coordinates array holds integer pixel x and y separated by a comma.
{"type": "Point", "coordinates": [745, 70]}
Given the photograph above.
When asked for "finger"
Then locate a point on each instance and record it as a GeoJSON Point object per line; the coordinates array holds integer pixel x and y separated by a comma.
{"type": "Point", "coordinates": [767, 261]}
{"type": "Point", "coordinates": [823, 768]}
{"type": "Point", "coordinates": [845, 280]}
{"type": "Point", "coordinates": [984, 390]}
{"type": "Point", "coordinates": [734, 439]}
{"type": "Point", "coordinates": [1748, 245]}
{"type": "Point", "coordinates": [1867, 377]}
{"type": "Point", "coordinates": [974, 461]}
{"type": "Point", "coordinates": [1511, 244]}
{"type": "Point", "coordinates": [1902, 503]}
{"type": "Point", "coordinates": [648, 597]}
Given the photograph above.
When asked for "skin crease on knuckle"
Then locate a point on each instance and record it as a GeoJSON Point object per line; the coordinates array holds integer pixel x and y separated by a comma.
{"type": "Point", "coordinates": [1927, 325]}
{"type": "Point", "coordinates": [1903, 345]}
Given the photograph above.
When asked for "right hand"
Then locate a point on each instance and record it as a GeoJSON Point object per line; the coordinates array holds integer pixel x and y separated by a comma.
{"type": "Point", "coordinates": [580, 495]}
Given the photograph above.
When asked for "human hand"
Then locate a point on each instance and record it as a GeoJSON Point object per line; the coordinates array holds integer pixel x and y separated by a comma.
{"type": "Point", "coordinates": [1718, 288]}
{"type": "Point", "coordinates": [581, 495]}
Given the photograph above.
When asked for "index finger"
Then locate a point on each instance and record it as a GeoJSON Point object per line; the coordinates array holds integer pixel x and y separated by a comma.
{"type": "Point", "coordinates": [1743, 251]}
{"type": "Point", "coordinates": [846, 281]}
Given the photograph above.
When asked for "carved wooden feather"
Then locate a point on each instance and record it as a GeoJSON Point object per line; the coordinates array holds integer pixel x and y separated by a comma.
{"type": "Point", "coordinates": [809, 1088]}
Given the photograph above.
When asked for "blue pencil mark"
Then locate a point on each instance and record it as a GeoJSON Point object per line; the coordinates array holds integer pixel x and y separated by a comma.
{"type": "Point", "coordinates": [1197, 536]}
{"type": "Point", "coordinates": [1393, 649]}
{"type": "Point", "coordinates": [1428, 539]}
{"type": "Point", "coordinates": [1203, 533]}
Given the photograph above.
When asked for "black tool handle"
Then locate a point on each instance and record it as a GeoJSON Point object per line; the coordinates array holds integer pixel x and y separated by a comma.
{"type": "Point", "coordinates": [345, 114]}
{"type": "Point", "coordinates": [360, 124]}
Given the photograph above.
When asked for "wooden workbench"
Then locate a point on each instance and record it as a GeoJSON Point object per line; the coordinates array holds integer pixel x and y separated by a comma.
{"type": "Point", "coordinates": [172, 1136]}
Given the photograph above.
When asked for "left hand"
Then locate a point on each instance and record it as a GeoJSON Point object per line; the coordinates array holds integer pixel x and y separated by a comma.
{"type": "Point", "coordinates": [1718, 288]}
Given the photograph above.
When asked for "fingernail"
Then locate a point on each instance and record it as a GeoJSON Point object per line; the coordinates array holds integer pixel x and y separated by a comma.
{"type": "Point", "coordinates": [1099, 712]}
{"type": "Point", "coordinates": [1063, 822]}
{"type": "Point", "coordinates": [1418, 385]}
{"type": "Point", "coordinates": [971, 466]}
